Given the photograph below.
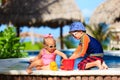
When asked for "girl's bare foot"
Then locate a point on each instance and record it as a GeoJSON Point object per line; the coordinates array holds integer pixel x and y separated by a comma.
{"type": "Point", "coordinates": [29, 71]}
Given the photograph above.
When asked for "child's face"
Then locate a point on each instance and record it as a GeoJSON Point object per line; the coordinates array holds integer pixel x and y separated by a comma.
{"type": "Point", "coordinates": [77, 34]}
{"type": "Point", "coordinates": [50, 45]}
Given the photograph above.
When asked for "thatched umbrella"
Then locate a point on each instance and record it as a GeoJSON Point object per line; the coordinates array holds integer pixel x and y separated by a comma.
{"type": "Point", "coordinates": [108, 12]}
{"type": "Point", "coordinates": [52, 13]}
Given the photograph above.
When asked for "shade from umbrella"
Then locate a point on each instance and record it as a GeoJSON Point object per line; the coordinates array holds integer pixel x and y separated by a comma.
{"type": "Point", "coordinates": [108, 12]}
{"type": "Point", "coordinates": [39, 12]}
{"type": "Point", "coordinates": [52, 13]}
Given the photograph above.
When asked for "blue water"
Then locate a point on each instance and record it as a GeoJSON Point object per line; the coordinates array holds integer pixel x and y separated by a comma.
{"type": "Point", "coordinates": [111, 61]}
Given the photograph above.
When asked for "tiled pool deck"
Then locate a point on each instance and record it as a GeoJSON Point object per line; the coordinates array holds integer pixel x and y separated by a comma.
{"type": "Point", "coordinates": [14, 67]}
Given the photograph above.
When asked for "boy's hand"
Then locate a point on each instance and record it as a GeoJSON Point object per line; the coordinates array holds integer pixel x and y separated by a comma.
{"type": "Point", "coordinates": [74, 56]}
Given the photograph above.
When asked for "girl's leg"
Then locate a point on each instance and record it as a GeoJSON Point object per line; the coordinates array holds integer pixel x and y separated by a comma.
{"type": "Point", "coordinates": [96, 63]}
{"type": "Point", "coordinates": [45, 67]}
{"type": "Point", "coordinates": [34, 64]}
{"type": "Point", "coordinates": [38, 67]}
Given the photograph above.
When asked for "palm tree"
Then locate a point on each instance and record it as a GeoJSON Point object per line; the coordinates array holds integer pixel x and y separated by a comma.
{"type": "Point", "coordinates": [70, 42]}
{"type": "Point", "coordinates": [102, 32]}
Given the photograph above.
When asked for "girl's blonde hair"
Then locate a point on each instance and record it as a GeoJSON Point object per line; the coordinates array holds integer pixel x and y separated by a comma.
{"type": "Point", "coordinates": [48, 38]}
{"type": "Point", "coordinates": [45, 40]}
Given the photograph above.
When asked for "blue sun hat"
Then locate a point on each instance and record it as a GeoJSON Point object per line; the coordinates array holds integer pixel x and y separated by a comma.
{"type": "Point", "coordinates": [76, 26]}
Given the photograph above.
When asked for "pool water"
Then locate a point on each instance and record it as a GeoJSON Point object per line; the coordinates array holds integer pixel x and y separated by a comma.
{"type": "Point", "coordinates": [111, 61]}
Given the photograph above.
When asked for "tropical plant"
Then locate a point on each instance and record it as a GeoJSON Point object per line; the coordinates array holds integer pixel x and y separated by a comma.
{"type": "Point", "coordinates": [70, 42]}
{"type": "Point", "coordinates": [30, 46]}
{"type": "Point", "coordinates": [10, 46]}
{"type": "Point", "coordinates": [102, 32]}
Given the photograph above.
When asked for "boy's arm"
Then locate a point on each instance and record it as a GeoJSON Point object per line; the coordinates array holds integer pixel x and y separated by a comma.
{"type": "Point", "coordinates": [84, 46]}
{"type": "Point", "coordinates": [81, 49]}
{"type": "Point", "coordinates": [75, 54]}
{"type": "Point", "coordinates": [61, 54]}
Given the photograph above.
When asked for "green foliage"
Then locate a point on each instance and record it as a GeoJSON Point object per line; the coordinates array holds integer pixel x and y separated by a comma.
{"type": "Point", "coordinates": [101, 32]}
{"type": "Point", "coordinates": [30, 46]}
{"type": "Point", "coordinates": [10, 47]}
{"type": "Point", "coordinates": [69, 42]}
{"type": "Point", "coordinates": [115, 48]}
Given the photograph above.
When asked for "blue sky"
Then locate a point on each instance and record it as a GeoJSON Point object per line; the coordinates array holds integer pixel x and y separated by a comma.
{"type": "Point", "coordinates": [86, 6]}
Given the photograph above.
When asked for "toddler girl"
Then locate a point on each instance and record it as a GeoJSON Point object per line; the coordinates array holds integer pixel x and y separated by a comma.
{"type": "Point", "coordinates": [46, 55]}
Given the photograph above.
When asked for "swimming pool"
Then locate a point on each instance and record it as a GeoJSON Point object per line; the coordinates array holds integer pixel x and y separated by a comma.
{"type": "Point", "coordinates": [112, 58]}
{"type": "Point", "coordinates": [15, 68]}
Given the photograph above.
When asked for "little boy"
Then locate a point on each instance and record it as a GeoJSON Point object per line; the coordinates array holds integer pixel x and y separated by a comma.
{"type": "Point", "coordinates": [89, 48]}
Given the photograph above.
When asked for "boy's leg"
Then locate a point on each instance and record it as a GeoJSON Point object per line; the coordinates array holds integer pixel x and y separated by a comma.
{"type": "Point", "coordinates": [104, 65]}
{"type": "Point", "coordinates": [89, 62]}
{"type": "Point", "coordinates": [96, 63]}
